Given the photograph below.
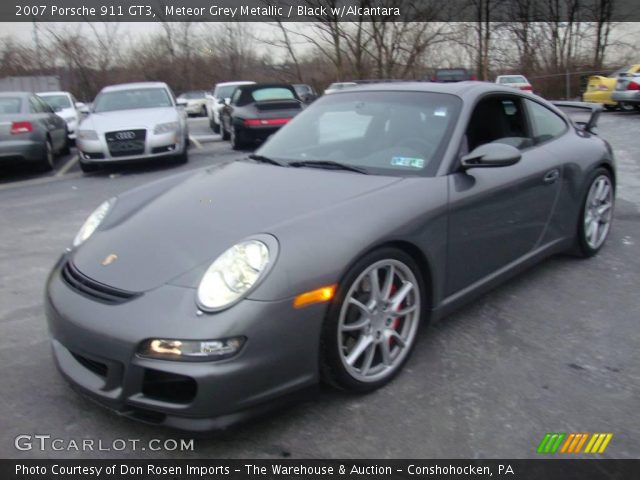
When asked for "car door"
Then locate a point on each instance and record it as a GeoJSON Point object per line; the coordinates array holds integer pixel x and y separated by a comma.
{"type": "Point", "coordinates": [498, 215]}
{"type": "Point", "coordinates": [49, 122]}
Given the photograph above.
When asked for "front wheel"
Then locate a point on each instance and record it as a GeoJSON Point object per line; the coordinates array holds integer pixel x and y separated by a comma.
{"type": "Point", "coordinates": [236, 143]}
{"type": "Point", "coordinates": [214, 126]}
{"type": "Point", "coordinates": [371, 326]}
{"type": "Point", "coordinates": [596, 213]}
{"type": "Point", "coordinates": [48, 157]}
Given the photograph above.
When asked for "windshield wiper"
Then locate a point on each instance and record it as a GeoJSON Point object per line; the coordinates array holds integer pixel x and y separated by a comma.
{"type": "Point", "coordinates": [328, 164]}
{"type": "Point", "coordinates": [263, 159]}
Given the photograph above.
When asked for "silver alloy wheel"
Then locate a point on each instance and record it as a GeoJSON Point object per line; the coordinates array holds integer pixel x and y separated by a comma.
{"type": "Point", "coordinates": [598, 211]}
{"type": "Point", "coordinates": [378, 320]}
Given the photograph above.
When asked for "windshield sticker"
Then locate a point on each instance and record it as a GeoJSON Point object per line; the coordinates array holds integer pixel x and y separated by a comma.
{"type": "Point", "coordinates": [410, 162]}
{"type": "Point", "coordinates": [440, 112]}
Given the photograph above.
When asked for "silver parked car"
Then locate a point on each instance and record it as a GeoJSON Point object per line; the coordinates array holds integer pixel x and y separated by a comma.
{"type": "Point", "coordinates": [627, 92]}
{"type": "Point", "coordinates": [67, 107]}
{"type": "Point", "coordinates": [131, 122]}
{"type": "Point", "coordinates": [30, 131]}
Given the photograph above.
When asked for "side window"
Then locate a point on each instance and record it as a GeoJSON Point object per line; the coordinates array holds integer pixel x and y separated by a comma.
{"type": "Point", "coordinates": [498, 119]}
{"type": "Point", "coordinates": [44, 106]}
{"type": "Point", "coordinates": [236, 96]}
{"type": "Point", "coordinates": [34, 105]}
{"type": "Point", "coordinates": [546, 124]}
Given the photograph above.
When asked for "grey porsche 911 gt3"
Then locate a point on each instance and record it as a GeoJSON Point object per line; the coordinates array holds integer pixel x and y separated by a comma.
{"type": "Point", "coordinates": [200, 299]}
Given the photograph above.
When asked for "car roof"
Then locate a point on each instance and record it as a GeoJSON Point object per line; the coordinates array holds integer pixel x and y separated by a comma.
{"type": "Point", "coordinates": [53, 93]}
{"type": "Point", "coordinates": [128, 86]}
{"type": "Point", "coordinates": [258, 86]}
{"type": "Point", "coordinates": [466, 89]}
{"type": "Point", "coordinates": [227, 84]}
{"type": "Point", "coordinates": [15, 94]}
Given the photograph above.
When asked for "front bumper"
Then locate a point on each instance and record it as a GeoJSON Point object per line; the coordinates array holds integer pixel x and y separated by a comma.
{"type": "Point", "coordinates": [95, 344]}
{"type": "Point", "coordinates": [155, 147]}
{"type": "Point", "coordinates": [21, 150]}
{"type": "Point", "coordinates": [626, 96]}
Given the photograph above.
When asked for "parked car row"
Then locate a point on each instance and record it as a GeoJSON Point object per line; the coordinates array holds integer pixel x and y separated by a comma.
{"type": "Point", "coordinates": [30, 130]}
{"type": "Point", "coordinates": [615, 91]}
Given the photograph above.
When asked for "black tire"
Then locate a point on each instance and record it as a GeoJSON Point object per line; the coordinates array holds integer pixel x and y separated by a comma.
{"type": "Point", "coordinates": [637, 107]}
{"type": "Point", "coordinates": [214, 126]}
{"type": "Point", "coordinates": [583, 247]}
{"type": "Point", "coordinates": [333, 370]}
{"type": "Point", "coordinates": [236, 143]}
{"type": "Point", "coordinates": [610, 108]}
{"type": "Point", "coordinates": [625, 107]}
{"type": "Point", "coordinates": [203, 111]}
{"type": "Point", "coordinates": [89, 167]}
{"type": "Point", "coordinates": [184, 156]}
{"type": "Point", "coordinates": [225, 134]}
{"type": "Point", "coordinates": [48, 157]}
{"type": "Point", "coordinates": [66, 149]}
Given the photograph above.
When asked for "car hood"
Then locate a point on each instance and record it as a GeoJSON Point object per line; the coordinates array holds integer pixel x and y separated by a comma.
{"type": "Point", "coordinates": [174, 230]}
{"type": "Point", "coordinates": [129, 119]}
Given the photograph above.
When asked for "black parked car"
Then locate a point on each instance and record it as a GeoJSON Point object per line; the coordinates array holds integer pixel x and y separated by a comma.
{"type": "Point", "coordinates": [257, 111]}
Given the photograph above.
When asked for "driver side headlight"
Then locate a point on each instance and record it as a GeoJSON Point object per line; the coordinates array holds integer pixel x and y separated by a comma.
{"type": "Point", "coordinates": [233, 274]}
{"type": "Point", "coordinates": [93, 222]}
{"type": "Point", "coordinates": [166, 128]}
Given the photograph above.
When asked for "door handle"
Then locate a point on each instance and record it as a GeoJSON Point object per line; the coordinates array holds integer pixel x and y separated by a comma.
{"type": "Point", "coordinates": [552, 176]}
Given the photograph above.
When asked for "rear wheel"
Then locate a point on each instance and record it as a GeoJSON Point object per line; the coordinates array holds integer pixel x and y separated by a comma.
{"type": "Point", "coordinates": [236, 143]}
{"type": "Point", "coordinates": [225, 134]}
{"type": "Point", "coordinates": [626, 107]}
{"type": "Point", "coordinates": [214, 126]}
{"type": "Point", "coordinates": [596, 214]}
{"type": "Point", "coordinates": [610, 108]}
{"type": "Point", "coordinates": [46, 162]}
{"type": "Point", "coordinates": [372, 325]}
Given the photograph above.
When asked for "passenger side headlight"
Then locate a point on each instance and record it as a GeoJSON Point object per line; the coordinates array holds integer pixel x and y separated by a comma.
{"type": "Point", "coordinates": [93, 222]}
{"type": "Point", "coordinates": [233, 274]}
{"type": "Point", "coordinates": [166, 127]}
{"type": "Point", "coordinates": [87, 135]}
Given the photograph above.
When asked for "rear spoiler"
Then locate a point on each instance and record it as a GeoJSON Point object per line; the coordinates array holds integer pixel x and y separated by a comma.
{"type": "Point", "coordinates": [595, 109]}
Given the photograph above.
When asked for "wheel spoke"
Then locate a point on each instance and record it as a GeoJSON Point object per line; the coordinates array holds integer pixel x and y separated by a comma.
{"type": "Point", "coordinates": [604, 192]}
{"type": "Point", "coordinates": [374, 280]}
{"type": "Point", "coordinates": [400, 295]}
{"type": "Point", "coordinates": [368, 359]}
{"type": "Point", "coordinates": [388, 283]}
{"type": "Point", "coordinates": [386, 353]}
{"type": "Point", "coordinates": [359, 325]}
{"type": "Point", "coordinates": [604, 208]}
{"type": "Point", "coordinates": [596, 227]}
{"type": "Point", "coordinates": [406, 311]}
{"type": "Point", "coordinates": [396, 336]}
{"type": "Point", "coordinates": [361, 345]}
{"type": "Point", "coordinates": [359, 305]}
{"type": "Point", "coordinates": [599, 189]}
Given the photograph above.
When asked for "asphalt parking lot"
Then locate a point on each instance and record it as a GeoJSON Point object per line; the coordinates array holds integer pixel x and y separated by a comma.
{"type": "Point", "coordinates": [555, 350]}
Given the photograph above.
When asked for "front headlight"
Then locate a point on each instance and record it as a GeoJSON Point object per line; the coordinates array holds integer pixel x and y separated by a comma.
{"type": "Point", "coordinates": [87, 135]}
{"type": "Point", "coordinates": [93, 222]}
{"type": "Point", "coordinates": [166, 127]}
{"type": "Point", "coordinates": [233, 274]}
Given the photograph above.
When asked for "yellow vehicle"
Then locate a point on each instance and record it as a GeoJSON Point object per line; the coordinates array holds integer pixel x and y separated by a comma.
{"type": "Point", "coordinates": [599, 88]}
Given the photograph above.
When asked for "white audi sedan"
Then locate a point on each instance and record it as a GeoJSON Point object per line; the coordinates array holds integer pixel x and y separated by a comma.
{"type": "Point", "coordinates": [133, 122]}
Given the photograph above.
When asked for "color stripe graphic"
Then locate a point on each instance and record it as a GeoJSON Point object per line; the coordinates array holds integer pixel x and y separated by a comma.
{"type": "Point", "coordinates": [572, 443]}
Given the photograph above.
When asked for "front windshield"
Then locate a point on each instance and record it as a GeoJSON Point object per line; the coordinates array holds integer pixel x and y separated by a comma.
{"type": "Point", "coordinates": [225, 92]}
{"type": "Point", "coordinates": [513, 79]}
{"type": "Point", "coordinates": [388, 133]}
{"type": "Point", "coordinates": [132, 99]}
{"type": "Point", "coordinates": [56, 101]}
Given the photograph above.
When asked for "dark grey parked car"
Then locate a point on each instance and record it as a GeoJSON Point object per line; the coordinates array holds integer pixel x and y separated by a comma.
{"type": "Point", "coordinates": [200, 299]}
{"type": "Point", "coordinates": [30, 131]}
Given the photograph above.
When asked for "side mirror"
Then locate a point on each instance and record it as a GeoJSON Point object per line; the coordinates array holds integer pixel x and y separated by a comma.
{"type": "Point", "coordinates": [181, 102]}
{"type": "Point", "coordinates": [491, 155]}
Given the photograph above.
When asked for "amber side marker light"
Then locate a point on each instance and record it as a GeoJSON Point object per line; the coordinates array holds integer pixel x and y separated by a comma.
{"type": "Point", "coordinates": [319, 295]}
